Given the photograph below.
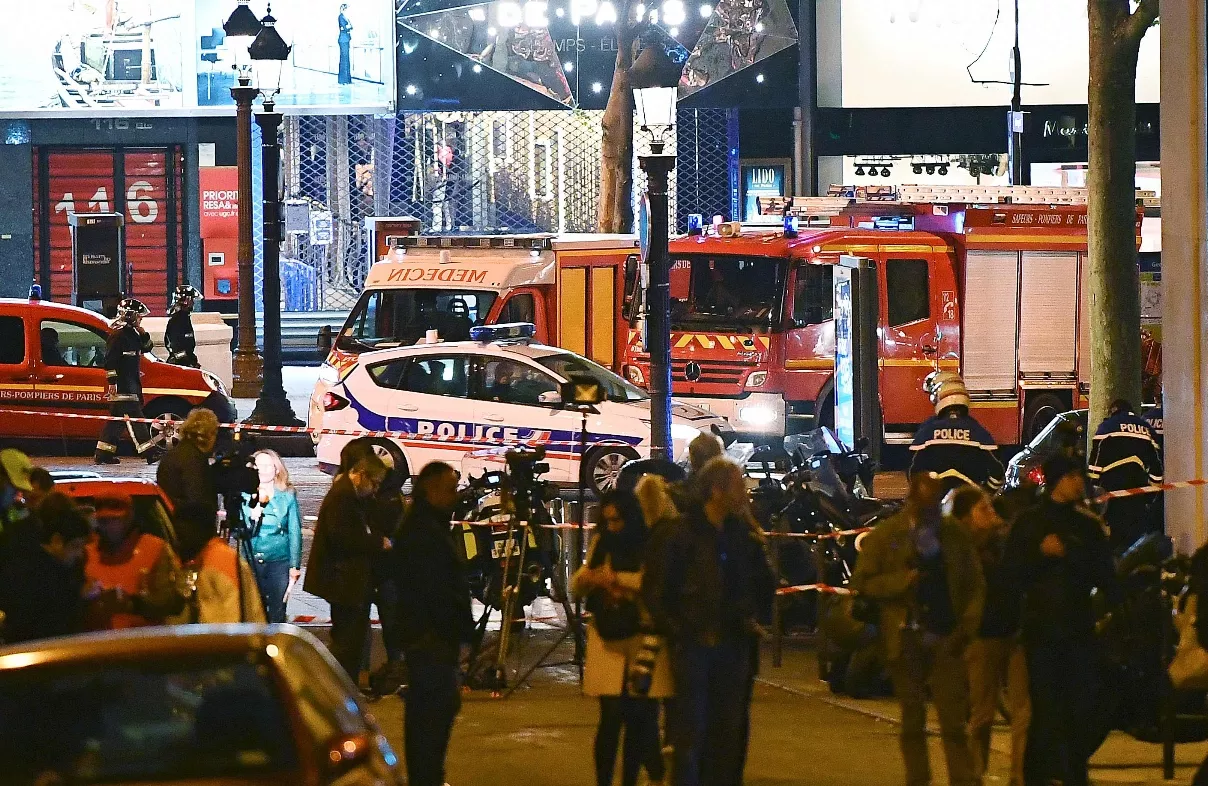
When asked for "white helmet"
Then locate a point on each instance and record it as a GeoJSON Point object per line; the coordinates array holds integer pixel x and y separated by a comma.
{"type": "Point", "coordinates": [936, 379]}
{"type": "Point", "coordinates": [950, 393]}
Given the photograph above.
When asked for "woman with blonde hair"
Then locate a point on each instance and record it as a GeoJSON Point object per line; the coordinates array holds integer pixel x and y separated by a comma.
{"type": "Point", "coordinates": [276, 525]}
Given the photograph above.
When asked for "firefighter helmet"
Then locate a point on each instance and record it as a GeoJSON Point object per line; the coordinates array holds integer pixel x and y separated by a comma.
{"type": "Point", "coordinates": [185, 293]}
{"type": "Point", "coordinates": [936, 379]}
{"type": "Point", "coordinates": [129, 310]}
{"type": "Point", "coordinates": [949, 394]}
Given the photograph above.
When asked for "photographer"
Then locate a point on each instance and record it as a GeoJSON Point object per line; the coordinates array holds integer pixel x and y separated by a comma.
{"type": "Point", "coordinates": [222, 584]}
{"type": "Point", "coordinates": [341, 559]}
{"type": "Point", "coordinates": [611, 581]}
{"type": "Point", "coordinates": [184, 472]}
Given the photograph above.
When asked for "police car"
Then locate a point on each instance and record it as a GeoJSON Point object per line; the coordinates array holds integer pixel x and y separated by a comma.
{"type": "Point", "coordinates": [464, 402]}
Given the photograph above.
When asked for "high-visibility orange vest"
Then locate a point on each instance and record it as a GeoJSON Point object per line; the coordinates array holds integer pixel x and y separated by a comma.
{"type": "Point", "coordinates": [127, 569]}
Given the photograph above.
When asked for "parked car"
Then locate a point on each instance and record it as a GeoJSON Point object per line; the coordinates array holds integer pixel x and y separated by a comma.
{"type": "Point", "coordinates": [499, 389]}
{"type": "Point", "coordinates": [232, 704]}
{"type": "Point", "coordinates": [52, 362]}
{"type": "Point", "coordinates": [1062, 432]}
{"type": "Point", "coordinates": [152, 509]}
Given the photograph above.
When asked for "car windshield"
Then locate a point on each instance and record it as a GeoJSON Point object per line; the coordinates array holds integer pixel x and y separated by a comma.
{"type": "Point", "coordinates": [568, 364]}
{"type": "Point", "coordinates": [399, 317]}
{"type": "Point", "coordinates": [1060, 431]}
{"type": "Point", "coordinates": [726, 290]}
{"type": "Point", "coordinates": [142, 719]}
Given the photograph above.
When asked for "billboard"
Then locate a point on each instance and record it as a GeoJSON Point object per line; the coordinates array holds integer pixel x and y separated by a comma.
{"type": "Point", "coordinates": [146, 57]}
{"type": "Point", "coordinates": [342, 58]}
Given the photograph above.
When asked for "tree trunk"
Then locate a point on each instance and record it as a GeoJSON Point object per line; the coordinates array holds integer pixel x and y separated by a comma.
{"type": "Point", "coordinates": [616, 148]}
{"type": "Point", "coordinates": [1115, 304]}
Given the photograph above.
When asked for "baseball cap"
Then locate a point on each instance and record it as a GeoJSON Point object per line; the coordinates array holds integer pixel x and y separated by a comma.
{"type": "Point", "coordinates": [17, 466]}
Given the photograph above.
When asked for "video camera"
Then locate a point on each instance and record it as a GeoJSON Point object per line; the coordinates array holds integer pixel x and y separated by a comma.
{"type": "Point", "coordinates": [524, 465]}
{"type": "Point", "coordinates": [234, 474]}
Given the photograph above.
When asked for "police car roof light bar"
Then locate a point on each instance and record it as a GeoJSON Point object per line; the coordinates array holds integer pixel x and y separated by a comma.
{"type": "Point", "coordinates": [508, 330]}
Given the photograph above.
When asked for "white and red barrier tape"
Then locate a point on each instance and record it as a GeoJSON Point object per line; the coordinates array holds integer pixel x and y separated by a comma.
{"type": "Point", "coordinates": [1153, 489]}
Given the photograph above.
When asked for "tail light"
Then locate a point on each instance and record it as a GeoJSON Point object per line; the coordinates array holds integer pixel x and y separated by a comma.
{"type": "Point", "coordinates": [332, 402]}
{"type": "Point", "coordinates": [1036, 475]}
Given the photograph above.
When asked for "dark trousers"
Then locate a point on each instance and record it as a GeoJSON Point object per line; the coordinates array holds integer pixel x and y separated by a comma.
{"type": "Point", "coordinates": [709, 715]}
{"type": "Point", "coordinates": [349, 627]}
{"type": "Point", "coordinates": [639, 717]}
{"type": "Point", "coordinates": [272, 578]}
{"type": "Point", "coordinates": [433, 700]}
{"type": "Point", "coordinates": [385, 596]}
{"type": "Point", "coordinates": [1062, 680]}
{"type": "Point", "coordinates": [115, 430]}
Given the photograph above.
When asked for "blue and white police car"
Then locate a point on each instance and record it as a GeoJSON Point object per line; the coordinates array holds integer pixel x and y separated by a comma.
{"type": "Point", "coordinates": [462, 402]}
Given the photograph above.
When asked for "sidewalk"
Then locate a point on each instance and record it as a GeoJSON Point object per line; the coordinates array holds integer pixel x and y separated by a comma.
{"type": "Point", "coordinates": [1121, 759]}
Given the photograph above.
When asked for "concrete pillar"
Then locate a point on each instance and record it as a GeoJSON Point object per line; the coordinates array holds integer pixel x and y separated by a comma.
{"type": "Point", "coordinates": [16, 218]}
{"type": "Point", "coordinates": [1185, 263]}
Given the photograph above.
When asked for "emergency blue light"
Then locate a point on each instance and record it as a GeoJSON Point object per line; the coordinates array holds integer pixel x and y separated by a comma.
{"type": "Point", "coordinates": [791, 223]}
{"type": "Point", "coordinates": [35, 292]}
{"type": "Point", "coordinates": [696, 224]}
{"type": "Point", "coordinates": [511, 330]}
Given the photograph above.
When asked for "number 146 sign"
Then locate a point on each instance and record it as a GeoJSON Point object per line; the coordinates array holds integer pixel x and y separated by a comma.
{"type": "Point", "coordinates": [140, 204]}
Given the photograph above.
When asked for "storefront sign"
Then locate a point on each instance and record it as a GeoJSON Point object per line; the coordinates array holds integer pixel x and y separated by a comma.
{"type": "Point", "coordinates": [762, 179]}
{"type": "Point", "coordinates": [219, 201]}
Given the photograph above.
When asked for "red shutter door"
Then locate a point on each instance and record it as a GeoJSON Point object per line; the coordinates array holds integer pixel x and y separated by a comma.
{"type": "Point", "coordinates": [134, 182]}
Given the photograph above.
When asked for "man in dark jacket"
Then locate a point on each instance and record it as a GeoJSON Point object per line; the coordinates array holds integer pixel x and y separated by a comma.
{"type": "Point", "coordinates": [341, 558]}
{"type": "Point", "coordinates": [434, 620]}
{"type": "Point", "coordinates": [1059, 554]}
{"type": "Point", "coordinates": [713, 581]}
{"type": "Point", "coordinates": [1125, 455]}
{"type": "Point", "coordinates": [41, 588]}
{"type": "Point", "coordinates": [179, 339]}
{"type": "Point", "coordinates": [184, 473]}
{"type": "Point", "coordinates": [124, 350]}
{"type": "Point", "coordinates": [953, 445]}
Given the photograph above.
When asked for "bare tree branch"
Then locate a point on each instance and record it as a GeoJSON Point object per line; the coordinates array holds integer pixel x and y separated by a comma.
{"type": "Point", "coordinates": [1142, 19]}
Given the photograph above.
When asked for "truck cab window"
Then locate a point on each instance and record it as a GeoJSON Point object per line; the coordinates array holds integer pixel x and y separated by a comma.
{"type": "Point", "coordinates": [813, 295]}
{"type": "Point", "coordinates": [12, 341]}
{"type": "Point", "coordinates": [519, 308]}
{"type": "Point", "coordinates": [908, 291]}
{"type": "Point", "coordinates": [401, 317]}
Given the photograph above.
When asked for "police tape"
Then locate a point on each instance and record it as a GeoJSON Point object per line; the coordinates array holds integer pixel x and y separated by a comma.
{"type": "Point", "coordinates": [458, 436]}
{"type": "Point", "coordinates": [1151, 489]}
{"type": "Point", "coordinates": [825, 589]}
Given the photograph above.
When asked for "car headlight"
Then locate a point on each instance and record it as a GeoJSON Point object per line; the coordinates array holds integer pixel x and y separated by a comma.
{"type": "Point", "coordinates": [756, 379]}
{"type": "Point", "coordinates": [756, 416]}
{"type": "Point", "coordinates": [214, 383]}
{"type": "Point", "coordinates": [681, 432]}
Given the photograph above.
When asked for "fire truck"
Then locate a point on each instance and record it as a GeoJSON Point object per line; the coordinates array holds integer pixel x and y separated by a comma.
{"type": "Point", "coordinates": [571, 286]}
{"type": "Point", "coordinates": [987, 281]}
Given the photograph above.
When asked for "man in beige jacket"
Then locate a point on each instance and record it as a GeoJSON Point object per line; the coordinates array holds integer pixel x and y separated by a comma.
{"type": "Point", "coordinates": [925, 577]}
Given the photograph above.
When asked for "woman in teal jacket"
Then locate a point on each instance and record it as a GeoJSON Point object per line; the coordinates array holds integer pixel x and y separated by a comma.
{"type": "Point", "coordinates": [276, 547]}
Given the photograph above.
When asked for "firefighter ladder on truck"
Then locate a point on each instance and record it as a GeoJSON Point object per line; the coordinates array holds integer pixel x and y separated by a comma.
{"type": "Point", "coordinates": [1023, 309]}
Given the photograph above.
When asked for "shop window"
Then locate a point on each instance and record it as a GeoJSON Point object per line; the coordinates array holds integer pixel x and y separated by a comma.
{"type": "Point", "coordinates": [12, 341]}
{"type": "Point", "coordinates": [909, 291]}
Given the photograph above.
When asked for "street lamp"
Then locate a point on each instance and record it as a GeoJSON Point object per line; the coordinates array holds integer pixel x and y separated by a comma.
{"type": "Point", "coordinates": [241, 28]}
{"type": "Point", "coordinates": [655, 108]}
{"type": "Point", "coordinates": [268, 52]}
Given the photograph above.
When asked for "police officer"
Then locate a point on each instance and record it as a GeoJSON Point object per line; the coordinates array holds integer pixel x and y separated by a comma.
{"type": "Point", "coordinates": [123, 352]}
{"type": "Point", "coordinates": [1125, 455]}
{"type": "Point", "coordinates": [1153, 417]}
{"type": "Point", "coordinates": [952, 444]}
{"type": "Point", "coordinates": [178, 335]}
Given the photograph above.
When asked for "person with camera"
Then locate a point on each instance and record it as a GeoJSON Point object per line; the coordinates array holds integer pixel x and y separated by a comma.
{"type": "Point", "coordinates": [924, 574]}
{"type": "Point", "coordinates": [713, 579]}
{"type": "Point", "coordinates": [1060, 556]}
{"type": "Point", "coordinates": [184, 473]}
{"type": "Point", "coordinates": [274, 526]}
{"type": "Point", "coordinates": [341, 558]}
{"type": "Point", "coordinates": [627, 666]}
{"type": "Point", "coordinates": [41, 587]}
{"type": "Point", "coordinates": [131, 578]}
{"type": "Point", "coordinates": [124, 350]}
{"type": "Point", "coordinates": [221, 586]}
{"type": "Point", "coordinates": [435, 620]}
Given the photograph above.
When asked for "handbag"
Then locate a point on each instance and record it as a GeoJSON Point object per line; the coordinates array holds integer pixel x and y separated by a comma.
{"type": "Point", "coordinates": [615, 620]}
{"type": "Point", "coordinates": [1188, 669]}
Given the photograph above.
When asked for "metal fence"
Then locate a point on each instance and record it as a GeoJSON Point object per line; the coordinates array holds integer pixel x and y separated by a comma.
{"type": "Point", "coordinates": [481, 172]}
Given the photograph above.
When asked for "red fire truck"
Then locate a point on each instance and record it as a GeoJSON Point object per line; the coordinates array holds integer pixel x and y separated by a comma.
{"type": "Point", "coordinates": [988, 281]}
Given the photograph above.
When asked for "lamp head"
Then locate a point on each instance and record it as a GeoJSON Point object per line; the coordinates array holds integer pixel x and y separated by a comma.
{"type": "Point", "coordinates": [655, 110]}
{"type": "Point", "coordinates": [242, 22]}
{"type": "Point", "coordinates": [269, 52]}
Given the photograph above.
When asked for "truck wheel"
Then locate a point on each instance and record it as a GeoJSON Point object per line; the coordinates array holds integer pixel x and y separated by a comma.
{"type": "Point", "coordinates": [168, 414]}
{"type": "Point", "coordinates": [603, 467]}
{"type": "Point", "coordinates": [1039, 412]}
